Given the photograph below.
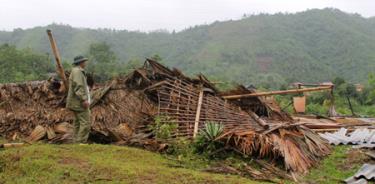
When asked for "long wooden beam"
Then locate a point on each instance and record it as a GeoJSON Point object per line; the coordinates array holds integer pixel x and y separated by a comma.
{"type": "Point", "coordinates": [291, 91]}
{"type": "Point", "coordinates": [56, 53]}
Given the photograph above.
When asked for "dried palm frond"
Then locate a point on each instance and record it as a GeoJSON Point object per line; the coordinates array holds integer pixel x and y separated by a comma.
{"type": "Point", "coordinates": [38, 133]}
{"type": "Point", "coordinates": [299, 153]}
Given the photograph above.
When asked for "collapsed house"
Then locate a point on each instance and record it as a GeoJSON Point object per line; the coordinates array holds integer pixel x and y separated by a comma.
{"type": "Point", "coordinates": [124, 108]}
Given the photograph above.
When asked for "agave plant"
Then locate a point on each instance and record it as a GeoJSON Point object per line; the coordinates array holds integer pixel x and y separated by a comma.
{"type": "Point", "coordinates": [212, 131]}
{"type": "Point", "coordinates": [207, 140]}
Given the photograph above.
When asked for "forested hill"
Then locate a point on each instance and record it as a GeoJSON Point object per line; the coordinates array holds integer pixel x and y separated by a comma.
{"type": "Point", "coordinates": [315, 45]}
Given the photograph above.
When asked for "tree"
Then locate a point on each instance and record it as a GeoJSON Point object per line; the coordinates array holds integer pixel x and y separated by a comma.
{"type": "Point", "coordinates": [23, 65]}
{"type": "Point", "coordinates": [131, 65]}
{"type": "Point", "coordinates": [338, 81]}
{"type": "Point", "coordinates": [371, 86]}
{"type": "Point", "coordinates": [351, 90]}
{"type": "Point", "coordinates": [102, 61]}
{"type": "Point", "coordinates": [156, 57]}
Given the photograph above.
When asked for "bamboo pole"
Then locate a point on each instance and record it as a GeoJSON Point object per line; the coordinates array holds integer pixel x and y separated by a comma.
{"type": "Point", "coordinates": [10, 145]}
{"type": "Point", "coordinates": [197, 116]}
{"type": "Point", "coordinates": [229, 97]}
{"type": "Point", "coordinates": [260, 121]}
{"type": "Point", "coordinates": [60, 69]}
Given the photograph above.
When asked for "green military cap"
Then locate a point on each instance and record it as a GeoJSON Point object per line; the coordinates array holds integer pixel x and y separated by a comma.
{"type": "Point", "coordinates": [79, 59]}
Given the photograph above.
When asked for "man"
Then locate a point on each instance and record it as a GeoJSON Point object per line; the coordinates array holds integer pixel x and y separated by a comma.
{"type": "Point", "coordinates": [79, 100]}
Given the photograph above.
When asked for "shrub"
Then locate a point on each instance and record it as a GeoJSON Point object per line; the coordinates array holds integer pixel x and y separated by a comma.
{"type": "Point", "coordinates": [207, 141]}
{"type": "Point", "coordinates": [163, 127]}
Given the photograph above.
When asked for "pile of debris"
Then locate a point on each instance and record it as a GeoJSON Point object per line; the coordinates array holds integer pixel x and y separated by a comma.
{"type": "Point", "coordinates": [320, 123]}
{"type": "Point", "coordinates": [124, 108]}
{"type": "Point", "coordinates": [117, 112]}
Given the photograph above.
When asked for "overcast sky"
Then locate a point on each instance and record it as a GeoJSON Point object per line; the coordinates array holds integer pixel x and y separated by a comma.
{"type": "Point", "coordinates": [147, 15]}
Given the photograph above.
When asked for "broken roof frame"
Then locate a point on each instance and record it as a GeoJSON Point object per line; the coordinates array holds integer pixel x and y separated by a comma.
{"type": "Point", "coordinates": [124, 109]}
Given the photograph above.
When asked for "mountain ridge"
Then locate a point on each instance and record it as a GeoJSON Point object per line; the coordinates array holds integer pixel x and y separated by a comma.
{"type": "Point", "coordinates": [310, 46]}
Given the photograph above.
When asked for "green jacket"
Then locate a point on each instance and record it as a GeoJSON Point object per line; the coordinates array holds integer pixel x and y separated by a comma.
{"type": "Point", "coordinates": [78, 90]}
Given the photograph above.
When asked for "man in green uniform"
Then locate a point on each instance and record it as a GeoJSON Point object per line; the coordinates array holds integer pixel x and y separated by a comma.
{"type": "Point", "coordinates": [79, 100]}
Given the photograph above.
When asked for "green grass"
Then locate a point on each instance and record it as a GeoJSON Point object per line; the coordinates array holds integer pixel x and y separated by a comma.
{"type": "Point", "coordinates": [340, 165]}
{"type": "Point", "coordinates": [42, 163]}
{"type": "Point", "coordinates": [45, 163]}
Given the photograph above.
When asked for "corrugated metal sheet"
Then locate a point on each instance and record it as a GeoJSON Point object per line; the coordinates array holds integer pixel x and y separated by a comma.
{"type": "Point", "coordinates": [365, 173]}
{"type": "Point", "coordinates": [362, 136]}
{"type": "Point", "coordinates": [366, 145]}
{"type": "Point", "coordinates": [352, 180]}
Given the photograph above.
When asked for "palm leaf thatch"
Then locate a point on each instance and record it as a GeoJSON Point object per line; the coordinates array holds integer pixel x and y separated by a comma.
{"type": "Point", "coordinates": [123, 109]}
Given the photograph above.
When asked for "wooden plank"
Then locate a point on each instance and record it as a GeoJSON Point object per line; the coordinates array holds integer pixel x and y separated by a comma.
{"type": "Point", "coordinates": [196, 122]}
{"type": "Point", "coordinates": [277, 92]}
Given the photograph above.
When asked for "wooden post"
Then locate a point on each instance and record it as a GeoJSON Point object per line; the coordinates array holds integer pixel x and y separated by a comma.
{"type": "Point", "coordinates": [332, 111]}
{"type": "Point", "coordinates": [198, 113]}
{"type": "Point", "coordinates": [350, 105]}
{"type": "Point", "coordinates": [277, 92]}
{"type": "Point", "coordinates": [60, 69]}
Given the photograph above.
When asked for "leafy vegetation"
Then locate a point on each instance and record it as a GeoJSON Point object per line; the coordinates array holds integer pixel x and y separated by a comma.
{"type": "Point", "coordinates": [20, 65]}
{"type": "Point", "coordinates": [345, 94]}
{"type": "Point", "coordinates": [207, 140]}
{"type": "Point", "coordinates": [163, 127]}
{"type": "Point", "coordinates": [264, 50]}
{"type": "Point", "coordinates": [103, 61]}
{"type": "Point", "coordinates": [340, 165]}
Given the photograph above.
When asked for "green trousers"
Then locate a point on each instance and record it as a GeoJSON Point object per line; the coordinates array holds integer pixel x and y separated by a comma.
{"type": "Point", "coordinates": [82, 126]}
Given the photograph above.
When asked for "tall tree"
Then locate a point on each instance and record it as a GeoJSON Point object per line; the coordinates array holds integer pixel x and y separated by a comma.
{"type": "Point", "coordinates": [102, 61]}
{"type": "Point", "coordinates": [23, 65]}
